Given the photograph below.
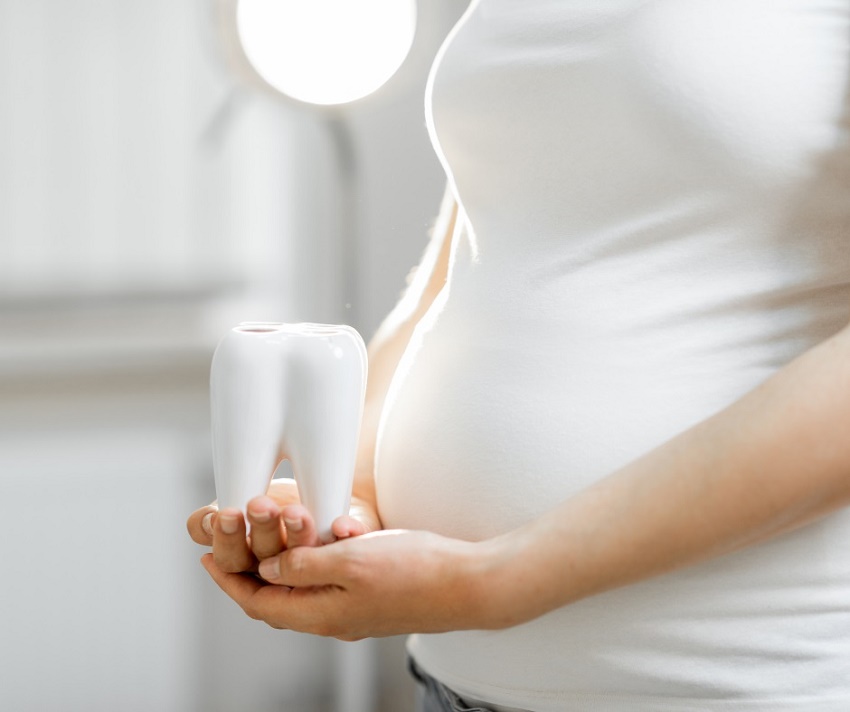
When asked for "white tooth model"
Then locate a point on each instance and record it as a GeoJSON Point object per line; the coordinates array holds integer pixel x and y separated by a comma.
{"type": "Point", "coordinates": [288, 391]}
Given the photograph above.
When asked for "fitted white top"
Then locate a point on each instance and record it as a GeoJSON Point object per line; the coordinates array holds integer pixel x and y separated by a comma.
{"type": "Point", "coordinates": [654, 217]}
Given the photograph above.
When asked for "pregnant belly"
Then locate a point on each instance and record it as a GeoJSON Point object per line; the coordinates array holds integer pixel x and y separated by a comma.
{"type": "Point", "coordinates": [492, 421]}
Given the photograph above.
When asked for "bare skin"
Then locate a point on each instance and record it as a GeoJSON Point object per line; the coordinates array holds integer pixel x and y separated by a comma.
{"type": "Point", "coordinates": [355, 592]}
{"type": "Point", "coordinates": [773, 461]}
{"type": "Point", "coordinates": [278, 521]}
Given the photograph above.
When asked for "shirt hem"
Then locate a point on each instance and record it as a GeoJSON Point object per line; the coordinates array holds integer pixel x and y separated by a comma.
{"type": "Point", "coordinates": [523, 700]}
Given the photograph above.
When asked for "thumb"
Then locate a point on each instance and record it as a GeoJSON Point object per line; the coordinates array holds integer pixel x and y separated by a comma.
{"type": "Point", "coordinates": [304, 566]}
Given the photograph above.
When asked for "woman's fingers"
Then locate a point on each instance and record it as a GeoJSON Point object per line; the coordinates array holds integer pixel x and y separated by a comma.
{"type": "Point", "coordinates": [230, 546]}
{"type": "Point", "coordinates": [240, 588]}
{"type": "Point", "coordinates": [267, 533]}
{"type": "Point", "coordinates": [300, 527]}
{"type": "Point", "coordinates": [302, 566]}
{"type": "Point", "coordinates": [200, 525]}
{"type": "Point", "coordinates": [347, 526]}
{"type": "Point", "coordinates": [283, 491]}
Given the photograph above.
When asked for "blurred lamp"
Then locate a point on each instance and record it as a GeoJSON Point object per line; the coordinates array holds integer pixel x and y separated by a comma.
{"type": "Point", "coordinates": [325, 52]}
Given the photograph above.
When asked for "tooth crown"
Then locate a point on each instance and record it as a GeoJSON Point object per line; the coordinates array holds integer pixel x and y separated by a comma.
{"type": "Point", "coordinates": [288, 391]}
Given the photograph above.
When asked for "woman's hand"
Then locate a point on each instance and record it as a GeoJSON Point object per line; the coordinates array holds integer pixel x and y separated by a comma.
{"type": "Point", "coordinates": [382, 583]}
{"type": "Point", "coordinates": [277, 521]}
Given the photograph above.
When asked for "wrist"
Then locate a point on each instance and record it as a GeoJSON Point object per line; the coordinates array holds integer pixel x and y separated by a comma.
{"type": "Point", "coordinates": [503, 592]}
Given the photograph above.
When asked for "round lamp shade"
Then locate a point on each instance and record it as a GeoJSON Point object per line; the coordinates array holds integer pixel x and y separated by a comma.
{"type": "Point", "coordinates": [326, 51]}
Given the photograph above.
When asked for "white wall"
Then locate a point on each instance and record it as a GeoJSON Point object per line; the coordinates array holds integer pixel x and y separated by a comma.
{"type": "Point", "coordinates": [146, 203]}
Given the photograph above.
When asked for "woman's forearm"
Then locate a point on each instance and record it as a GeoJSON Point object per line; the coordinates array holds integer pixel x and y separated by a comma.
{"type": "Point", "coordinates": [774, 460]}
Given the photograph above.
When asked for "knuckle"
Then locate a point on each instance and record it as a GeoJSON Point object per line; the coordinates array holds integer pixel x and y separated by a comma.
{"type": "Point", "coordinates": [323, 628]}
{"type": "Point", "coordinates": [251, 611]}
{"type": "Point", "coordinates": [227, 564]}
{"type": "Point", "coordinates": [314, 622]}
{"type": "Point", "coordinates": [195, 532]}
{"type": "Point", "coordinates": [349, 637]}
{"type": "Point", "coordinates": [265, 549]}
{"type": "Point", "coordinates": [195, 524]}
{"type": "Point", "coordinates": [351, 569]}
{"type": "Point", "coordinates": [296, 562]}
{"type": "Point", "coordinates": [331, 626]}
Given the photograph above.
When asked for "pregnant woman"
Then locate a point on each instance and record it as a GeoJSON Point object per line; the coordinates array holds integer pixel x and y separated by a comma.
{"type": "Point", "coordinates": [606, 457]}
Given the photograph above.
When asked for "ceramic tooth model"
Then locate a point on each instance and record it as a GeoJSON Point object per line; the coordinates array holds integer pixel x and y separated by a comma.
{"type": "Point", "coordinates": [288, 391]}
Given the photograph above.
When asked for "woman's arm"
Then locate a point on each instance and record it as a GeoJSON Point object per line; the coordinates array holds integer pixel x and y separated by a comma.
{"type": "Point", "coordinates": [773, 461]}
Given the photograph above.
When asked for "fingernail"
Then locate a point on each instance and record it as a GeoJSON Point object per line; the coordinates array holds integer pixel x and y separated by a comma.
{"type": "Point", "coordinates": [206, 523]}
{"type": "Point", "coordinates": [294, 525]}
{"type": "Point", "coordinates": [229, 523]}
{"type": "Point", "coordinates": [262, 515]}
{"type": "Point", "coordinates": [270, 569]}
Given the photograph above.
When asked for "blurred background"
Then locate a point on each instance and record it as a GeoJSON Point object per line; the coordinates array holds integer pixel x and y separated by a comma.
{"type": "Point", "coordinates": [154, 191]}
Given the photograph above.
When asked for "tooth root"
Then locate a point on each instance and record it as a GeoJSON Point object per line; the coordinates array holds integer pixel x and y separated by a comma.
{"type": "Point", "coordinates": [327, 382]}
{"type": "Point", "coordinates": [246, 420]}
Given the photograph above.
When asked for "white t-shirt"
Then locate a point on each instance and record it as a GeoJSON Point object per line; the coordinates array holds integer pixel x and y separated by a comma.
{"type": "Point", "coordinates": [655, 217]}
